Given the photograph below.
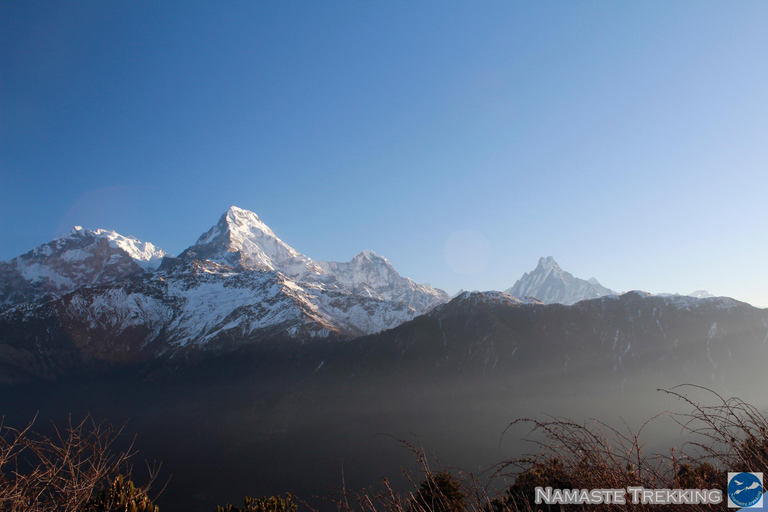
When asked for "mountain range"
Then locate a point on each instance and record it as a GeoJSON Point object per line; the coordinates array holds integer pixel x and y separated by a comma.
{"type": "Point", "coordinates": [91, 298]}
{"type": "Point", "coordinates": [97, 295]}
{"type": "Point", "coordinates": [244, 354]}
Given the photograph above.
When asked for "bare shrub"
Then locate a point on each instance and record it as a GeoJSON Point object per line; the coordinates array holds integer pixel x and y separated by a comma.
{"type": "Point", "coordinates": [63, 471]}
{"type": "Point", "coordinates": [732, 433]}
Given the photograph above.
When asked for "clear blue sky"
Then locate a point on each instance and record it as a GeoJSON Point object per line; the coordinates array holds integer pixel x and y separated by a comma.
{"type": "Point", "coordinates": [461, 140]}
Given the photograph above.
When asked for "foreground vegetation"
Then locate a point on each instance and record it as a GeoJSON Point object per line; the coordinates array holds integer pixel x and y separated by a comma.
{"type": "Point", "coordinates": [77, 470]}
{"type": "Point", "coordinates": [73, 470]}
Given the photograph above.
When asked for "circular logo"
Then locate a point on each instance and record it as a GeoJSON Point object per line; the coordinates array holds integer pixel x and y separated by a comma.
{"type": "Point", "coordinates": [745, 489]}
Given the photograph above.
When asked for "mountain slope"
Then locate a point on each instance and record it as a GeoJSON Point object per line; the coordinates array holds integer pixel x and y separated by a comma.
{"type": "Point", "coordinates": [551, 284]}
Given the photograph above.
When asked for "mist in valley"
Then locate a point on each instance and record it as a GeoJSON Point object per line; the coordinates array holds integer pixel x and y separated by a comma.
{"type": "Point", "coordinates": [264, 423]}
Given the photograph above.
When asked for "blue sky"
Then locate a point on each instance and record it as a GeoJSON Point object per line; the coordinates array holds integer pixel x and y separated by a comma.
{"type": "Point", "coordinates": [461, 140]}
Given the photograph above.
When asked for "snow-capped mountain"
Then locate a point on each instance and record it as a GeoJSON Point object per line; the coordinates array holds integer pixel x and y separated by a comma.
{"type": "Point", "coordinates": [362, 296]}
{"type": "Point", "coordinates": [371, 275]}
{"type": "Point", "coordinates": [241, 240]}
{"type": "Point", "coordinates": [238, 284]}
{"type": "Point", "coordinates": [551, 284]}
{"type": "Point", "coordinates": [198, 307]}
{"type": "Point", "coordinates": [80, 258]}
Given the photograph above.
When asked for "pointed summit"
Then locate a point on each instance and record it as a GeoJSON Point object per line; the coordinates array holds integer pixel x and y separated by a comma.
{"type": "Point", "coordinates": [548, 262]}
{"type": "Point", "coordinates": [371, 275]}
{"type": "Point", "coordinates": [367, 254]}
{"type": "Point", "coordinates": [551, 284]}
{"type": "Point", "coordinates": [241, 240]}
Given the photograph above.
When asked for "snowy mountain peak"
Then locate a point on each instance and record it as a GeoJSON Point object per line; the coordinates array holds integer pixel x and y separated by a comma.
{"type": "Point", "coordinates": [547, 263]}
{"type": "Point", "coordinates": [371, 275]}
{"type": "Point", "coordinates": [547, 266]}
{"type": "Point", "coordinates": [79, 258]}
{"type": "Point", "coordinates": [370, 257]}
{"type": "Point", "coordinates": [147, 255]}
{"type": "Point", "coordinates": [235, 211]}
{"type": "Point", "coordinates": [238, 276]}
{"type": "Point", "coordinates": [551, 284]}
{"type": "Point", "coordinates": [241, 220]}
{"type": "Point", "coordinates": [240, 239]}
{"type": "Point", "coordinates": [370, 268]}
{"type": "Point", "coordinates": [235, 224]}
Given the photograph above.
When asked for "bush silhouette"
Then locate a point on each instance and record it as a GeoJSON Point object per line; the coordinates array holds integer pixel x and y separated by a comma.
{"type": "Point", "coordinates": [440, 492]}
{"type": "Point", "coordinates": [520, 495]}
{"type": "Point", "coordinates": [702, 476]}
{"type": "Point", "coordinates": [271, 504]}
{"type": "Point", "coordinates": [120, 496]}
